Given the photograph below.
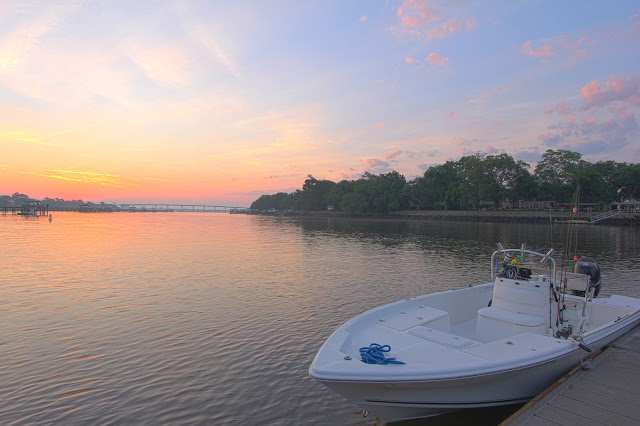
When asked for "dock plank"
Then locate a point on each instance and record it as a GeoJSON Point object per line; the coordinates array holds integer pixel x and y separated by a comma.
{"type": "Point", "coordinates": [539, 421]}
{"type": "Point", "coordinates": [566, 418]}
{"type": "Point", "coordinates": [618, 380]}
{"type": "Point", "coordinates": [594, 409]}
{"type": "Point", "coordinates": [608, 393]}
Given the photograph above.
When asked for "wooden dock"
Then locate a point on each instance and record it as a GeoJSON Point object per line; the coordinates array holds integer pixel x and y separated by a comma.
{"type": "Point", "coordinates": [607, 393]}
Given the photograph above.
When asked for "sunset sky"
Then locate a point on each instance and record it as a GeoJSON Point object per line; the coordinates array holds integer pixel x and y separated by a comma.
{"type": "Point", "coordinates": [218, 102]}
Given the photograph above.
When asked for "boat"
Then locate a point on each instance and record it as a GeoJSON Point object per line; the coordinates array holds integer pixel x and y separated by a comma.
{"type": "Point", "coordinates": [485, 345]}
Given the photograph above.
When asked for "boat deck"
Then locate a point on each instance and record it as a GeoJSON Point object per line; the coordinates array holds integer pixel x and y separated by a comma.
{"type": "Point", "coordinates": [608, 393]}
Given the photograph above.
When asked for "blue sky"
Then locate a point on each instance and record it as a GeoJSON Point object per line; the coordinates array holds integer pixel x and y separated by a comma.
{"type": "Point", "coordinates": [220, 102]}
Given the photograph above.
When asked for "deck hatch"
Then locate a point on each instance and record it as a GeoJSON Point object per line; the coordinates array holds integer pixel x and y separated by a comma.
{"type": "Point", "coordinates": [447, 339]}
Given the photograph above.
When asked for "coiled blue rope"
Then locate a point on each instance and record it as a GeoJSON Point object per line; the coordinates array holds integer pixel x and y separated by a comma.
{"type": "Point", "coordinates": [374, 354]}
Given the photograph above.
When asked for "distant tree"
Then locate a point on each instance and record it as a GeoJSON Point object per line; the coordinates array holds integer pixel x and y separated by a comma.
{"type": "Point", "coordinates": [279, 201]}
{"type": "Point", "coordinates": [19, 197]}
{"type": "Point", "coordinates": [590, 182]}
{"type": "Point", "coordinates": [412, 192]}
{"type": "Point", "coordinates": [475, 184]}
{"type": "Point", "coordinates": [314, 194]}
{"type": "Point", "coordinates": [554, 173]}
{"type": "Point", "coordinates": [465, 183]}
{"type": "Point", "coordinates": [626, 181]}
{"type": "Point", "coordinates": [383, 193]}
{"type": "Point", "coordinates": [357, 200]}
{"type": "Point", "coordinates": [504, 175]}
{"type": "Point", "coordinates": [337, 193]}
{"type": "Point", "coordinates": [438, 187]}
{"type": "Point", "coordinates": [525, 186]}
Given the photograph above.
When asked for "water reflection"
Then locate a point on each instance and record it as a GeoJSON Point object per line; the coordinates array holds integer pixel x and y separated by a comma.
{"type": "Point", "coordinates": [201, 318]}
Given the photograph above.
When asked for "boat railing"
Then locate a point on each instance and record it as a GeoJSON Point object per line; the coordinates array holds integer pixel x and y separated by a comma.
{"type": "Point", "coordinates": [495, 262]}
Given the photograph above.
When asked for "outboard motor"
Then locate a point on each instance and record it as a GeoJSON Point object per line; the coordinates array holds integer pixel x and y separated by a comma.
{"type": "Point", "coordinates": [588, 266]}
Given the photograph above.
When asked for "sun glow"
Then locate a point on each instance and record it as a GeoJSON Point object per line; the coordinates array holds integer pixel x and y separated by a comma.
{"type": "Point", "coordinates": [176, 101]}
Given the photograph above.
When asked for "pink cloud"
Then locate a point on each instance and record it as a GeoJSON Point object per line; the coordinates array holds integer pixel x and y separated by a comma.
{"type": "Point", "coordinates": [452, 26]}
{"type": "Point", "coordinates": [488, 149]}
{"type": "Point", "coordinates": [410, 22]}
{"type": "Point", "coordinates": [417, 13]}
{"type": "Point", "coordinates": [376, 166]}
{"type": "Point", "coordinates": [471, 24]}
{"type": "Point", "coordinates": [393, 154]}
{"type": "Point", "coordinates": [437, 59]}
{"type": "Point", "coordinates": [451, 114]}
{"type": "Point", "coordinates": [562, 108]}
{"type": "Point", "coordinates": [548, 110]}
{"type": "Point", "coordinates": [495, 92]}
{"type": "Point", "coordinates": [363, 19]}
{"type": "Point", "coordinates": [542, 52]}
{"type": "Point", "coordinates": [419, 16]}
{"type": "Point", "coordinates": [409, 60]}
{"type": "Point", "coordinates": [549, 139]}
{"type": "Point", "coordinates": [445, 29]}
{"type": "Point", "coordinates": [381, 125]}
{"type": "Point", "coordinates": [590, 91]}
{"type": "Point", "coordinates": [579, 54]}
{"type": "Point", "coordinates": [617, 89]}
{"type": "Point", "coordinates": [620, 111]}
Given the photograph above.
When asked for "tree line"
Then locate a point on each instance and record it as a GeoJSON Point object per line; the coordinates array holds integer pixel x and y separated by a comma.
{"type": "Point", "coordinates": [472, 182]}
{"type": "Point", "coordinates": [17, 199]}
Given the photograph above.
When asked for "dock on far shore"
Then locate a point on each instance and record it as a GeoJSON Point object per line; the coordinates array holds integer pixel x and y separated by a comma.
{"type": "Point", "coordinates": [607, 393]}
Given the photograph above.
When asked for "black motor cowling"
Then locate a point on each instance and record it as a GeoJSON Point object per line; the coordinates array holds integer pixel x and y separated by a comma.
{"type": "Point", "coordinates": [588, 266]}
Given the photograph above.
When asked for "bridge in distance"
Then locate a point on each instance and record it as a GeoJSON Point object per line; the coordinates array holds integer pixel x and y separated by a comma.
{"type": "Point", "coordinates": [181, 207]}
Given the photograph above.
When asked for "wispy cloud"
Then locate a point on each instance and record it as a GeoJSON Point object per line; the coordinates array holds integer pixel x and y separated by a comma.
{"type": "Point", "coordinates": [452, 26]}
{"type": "Point", "coordinates": [425, 19]}
{"type": "Point", "coordinates": [215, 49]}
{"type": "Point", "coordinates": [437, 59]}
{"type": "Point", "coordinates": [31, 136]}
{"type": "Point", "coordinates": [36, 20]}
{"type": "Point", "coordinates": [376, 166]}
{"type": "Point", "coordinates": [478, 97]}
{"type": "Point", "coordinates": [543, 51]}
{"type": "Point", "coordinates": [605, 121]}
{"type": "Point", "coordinates": [616, 89]}
{"type": "Point", "coordinates": [165, 64]}
{"type": "Point", "coordinates": [96, 178]}
{"type": "Point", "coordinates": [392, 155]}
{"type": "Point", "coordinates": [415, 13]}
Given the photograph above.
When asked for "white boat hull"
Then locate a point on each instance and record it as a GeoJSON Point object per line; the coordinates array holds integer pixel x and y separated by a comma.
{"type": "Point", "coordinates": [403, 400]}
{"type": "Point", "coordinates": [495, 344]}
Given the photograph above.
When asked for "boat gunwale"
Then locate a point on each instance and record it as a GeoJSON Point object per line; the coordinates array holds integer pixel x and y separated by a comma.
{"type": "Point", "coordinates": [566, 347]}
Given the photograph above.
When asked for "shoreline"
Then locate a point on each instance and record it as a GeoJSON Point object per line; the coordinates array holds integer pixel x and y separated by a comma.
{"type": "Point", "coordinates": [500, 216]}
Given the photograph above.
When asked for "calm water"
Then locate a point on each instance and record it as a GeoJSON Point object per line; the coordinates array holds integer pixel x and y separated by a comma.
{"type": "Point", "coordinates": [188, 318]}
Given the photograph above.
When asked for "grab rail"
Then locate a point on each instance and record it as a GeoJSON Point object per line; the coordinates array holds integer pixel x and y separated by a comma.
{"type": "Point", "coordinates": [503, 251]}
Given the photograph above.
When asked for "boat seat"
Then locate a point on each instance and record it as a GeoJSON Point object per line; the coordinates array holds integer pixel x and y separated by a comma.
{"type": "Point", "coordinates": [512, 317]}
{"type": "Point", "coordinates": [494, 324]}
{"type": "Point", "coordinates": [511, 298]}
{"type": "Point", "coordinates": [517, 307]}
